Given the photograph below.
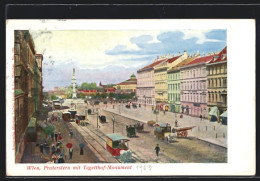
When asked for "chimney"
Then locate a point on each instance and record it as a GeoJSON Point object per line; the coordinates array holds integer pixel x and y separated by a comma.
{"type": "Point", "coordinates": [194, 54]}
{"type": "Point", "coordinates": [155, 60]}
{"type": "Point", "coordinates": [198, 53]}
{"type": "Point", "coordinates": [168, 55]}
{"type": "Point", "coordinates": [179, 53]}
{"type": "Point", "coordinates": [172, 55]}
{"type": "Point", "coordinates": [208, 54]}
{"type": "Point", "coordinates": [212, 53]}
{"type": "Point", "coordinates": [185, 53]}
{"type": "Point", "coordinates": [203, 55]}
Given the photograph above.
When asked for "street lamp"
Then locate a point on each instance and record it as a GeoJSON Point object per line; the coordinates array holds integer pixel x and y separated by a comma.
{"type": "Point", "coordinates": [144, 102]}
{"type": "Point", "coordinates": [113, 120]}
{"type": "Point", "coordinates": [97, 117]}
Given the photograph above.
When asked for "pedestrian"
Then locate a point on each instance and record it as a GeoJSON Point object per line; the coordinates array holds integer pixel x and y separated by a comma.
{"type": "Point", "coordinates": [58, 150]}
{"type": "Point", "coordinates": [45, 144]}
{"type": "Point", "coordinates": [41, 148]}
{"type": "Point", "coordinates": [176, 123]}
{"type": "Point", "coordinates": [53, 149]}
{"type": "Point", "coordinates": [201, 117]}
{"type": "Point", "coordinates": [60, 137]}
{"type": "Point", "coordinates": [164, 112]}
{"type": "Point", "coordinates": [61, 160]}
{"type": "Point", "coordinates": [56, 136]}
{"type": "Point", "coordinates": [157, 149]}
{"type": "Point", "coordinates": [152, 108]}
{"type": "Point", "coordinates": [63, 153]}
{"type": "Point", "coordinates": [47, 150]}
{"type": "Point", "coordinates": [52, 136]}
{"type": "Point", "coordinates": [70, 152]}
{"type": "Point", "coordinates": [71, 133]}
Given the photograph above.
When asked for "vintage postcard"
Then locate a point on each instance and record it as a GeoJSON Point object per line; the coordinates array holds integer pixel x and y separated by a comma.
{"type": "Point", "coordinates": [130, 97]}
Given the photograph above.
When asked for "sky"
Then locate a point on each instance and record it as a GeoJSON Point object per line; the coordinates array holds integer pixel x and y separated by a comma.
{"type": "Point", "coordinates": [112, 56]}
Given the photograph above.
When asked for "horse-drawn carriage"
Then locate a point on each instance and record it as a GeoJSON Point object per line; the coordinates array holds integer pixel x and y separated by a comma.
{"type": "Point", "coordinates": [66, 116]}
{"type": "Point", "coordinates": [139, 127]}
{"type": "Point", "coordinates": [134, 106]}
{"type": "Point", "coordinates": [127, 106]}
{"type": "Point", "coordinates": [130, 131]}
{"type": "Point", "coordinates": [182, 132]}
{"type": "Point", "coordinates": [102, 119]}
{"type": "Point", "coordinates": [161, 130]}
{"type": "Point", "coordinates": [115, 143]}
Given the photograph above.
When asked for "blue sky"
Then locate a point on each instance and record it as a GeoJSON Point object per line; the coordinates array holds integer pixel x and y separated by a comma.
{"type": "Point", "coordinates": [112, 56]}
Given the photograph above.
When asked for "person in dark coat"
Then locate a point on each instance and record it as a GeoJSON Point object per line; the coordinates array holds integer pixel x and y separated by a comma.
{"type": "Point", "coordinates": [71, 133]}
{"type": "Point", "coordinates": [56, 136]}
{"type": "Point", "coordinates": [52, 136]}
{"type": "Point", "coordinates": [41, 148]}
{"type": "Point", "coordinates": [201, 117]}
{"type": "Point", "coordinates": [61, 159]}
{"type": "Point", "coordinates": [45, 144]}
{"type": "Point", "coordinates": [70, 152]}
{"type": "Point", "coordinates": [157, 149]}
{"type": "Point", "coordinates": [53, 149]}
{"type": "Point", "coordinates": [47, 150]}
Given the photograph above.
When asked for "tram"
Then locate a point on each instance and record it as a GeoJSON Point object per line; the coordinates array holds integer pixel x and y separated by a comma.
{"type": "Point", "coordinates": [80, 117]}
{"type": "Point", "coordinates": [66, 116]}
{"type": "Point", "coordinates": [115, 143]}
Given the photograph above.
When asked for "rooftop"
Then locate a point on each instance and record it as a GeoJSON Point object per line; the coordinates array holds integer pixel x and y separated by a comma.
{"type": "Point", "coordinates": [170, 60]}
{"type": "Point", "coordinates": [220, 57]}
{"type": "Point", "coordinates": [202, 59]}
{"type": "Point", "coordinates": [182, 63]}
{"type": "Point", "coordinates": [151, 65]}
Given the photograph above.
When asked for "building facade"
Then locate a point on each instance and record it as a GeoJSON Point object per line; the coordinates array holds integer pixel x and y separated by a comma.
{"type": "Point", "coordinates": [160, 74]}
{"type": "Point", "coordinates": [217, 83]}
{"type": "Point", "coordinates": [128, 85]}
{"type": "Point", "coordinates": [193, 81]}
{"type": "Point", "coordinates": [27, 85]}
{"type": "Point", "coordinates": [145, 84]}
{"type": "Point", "coordinates": [173, 81]}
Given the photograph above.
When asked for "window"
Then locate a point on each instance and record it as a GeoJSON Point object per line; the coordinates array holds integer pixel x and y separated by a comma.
{"type": "Point", "coordinates": [224, 82]}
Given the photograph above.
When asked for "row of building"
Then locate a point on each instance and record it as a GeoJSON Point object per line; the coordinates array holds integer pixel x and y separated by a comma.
{"type": "Point", "coordinates": [27, 88]}
{"type": "Point", "coordinates": [191, 84]}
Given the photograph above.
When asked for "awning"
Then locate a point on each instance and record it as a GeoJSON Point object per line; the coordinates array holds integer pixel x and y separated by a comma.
{"type": "Point", "coordinates": [117, 137]}
{"type": "Point", "coordinates": [224, 114]}
{"type": "Point", "coordinates": [214, 111]}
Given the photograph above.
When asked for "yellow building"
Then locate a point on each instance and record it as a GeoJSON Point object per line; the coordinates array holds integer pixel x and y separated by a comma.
{"type": "Point", "coordinates": [128, 85]}
{"type": "Point", "coordinates": [160, 75]}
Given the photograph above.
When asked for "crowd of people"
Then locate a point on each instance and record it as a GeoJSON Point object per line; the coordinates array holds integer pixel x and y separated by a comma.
{"type": "Point", "coordinates": [54, 149]}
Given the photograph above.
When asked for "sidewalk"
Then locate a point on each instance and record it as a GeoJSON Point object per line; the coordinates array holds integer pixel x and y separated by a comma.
{"type": "Point", "coordinates": [211, 132]}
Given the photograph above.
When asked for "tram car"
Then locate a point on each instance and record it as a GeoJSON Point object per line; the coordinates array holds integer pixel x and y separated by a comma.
{"type": "Point", "coordinates": [130, 131]}
{"type": "Point", "coordinates": [115, 143]}
{"type": "Point", "coordinates": [80, 117]}
{"type": "Point", "coordinates": [72, 113]}
{"type": "Point", "coordinates": [57, 106]}
{"type": "Point", "coordinates": [102, 119]}
{"type": "Point", "coordinates": [161, 130]}
{"type": "Point", "coordinates": [66, 116]}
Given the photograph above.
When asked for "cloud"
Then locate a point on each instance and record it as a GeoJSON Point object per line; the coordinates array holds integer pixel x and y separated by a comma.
{"type": "Point", "coordinates": [176, 41]}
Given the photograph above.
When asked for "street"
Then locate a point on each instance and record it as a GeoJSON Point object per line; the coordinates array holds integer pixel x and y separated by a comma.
{"type": "Point", "coordinates": [185, 150]}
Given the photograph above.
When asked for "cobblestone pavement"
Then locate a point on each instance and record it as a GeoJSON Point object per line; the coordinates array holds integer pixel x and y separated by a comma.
{"type": "Point", "coordinates": [184, 151]}
{"type": "Point", "coordinates": [212, 132]}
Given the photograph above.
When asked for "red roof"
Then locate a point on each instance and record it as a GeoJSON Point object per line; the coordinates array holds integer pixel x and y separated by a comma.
{"type": "Point", "coordinates": [202, 59]}
{"type": "Point", "coordinates": [128, 82]}
{"type": "Point", "coordinates": [151, 65]}
{"type": "Point", "coordinates": [170, 60]}
{"type": "Point", "coordinates": [221, 58]}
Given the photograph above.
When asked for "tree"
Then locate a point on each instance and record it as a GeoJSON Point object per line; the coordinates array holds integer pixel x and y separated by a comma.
{"type": "Point", "coordinates": [111, 95]}
{"type": "Point", "coordinates": [81, 95]}
{"type": "Point", "coordinates": [53, 97]}
{"type": "Point", "coordinates": [48, 130]}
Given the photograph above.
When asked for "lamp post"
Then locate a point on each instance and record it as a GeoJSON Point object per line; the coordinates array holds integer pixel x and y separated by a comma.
{"type": "Point", "coordinates": [113, 120]}
{"type": "Point", "coordinates": [144, 102]}
{"type": "Point", "coordinates": [97, 117]}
